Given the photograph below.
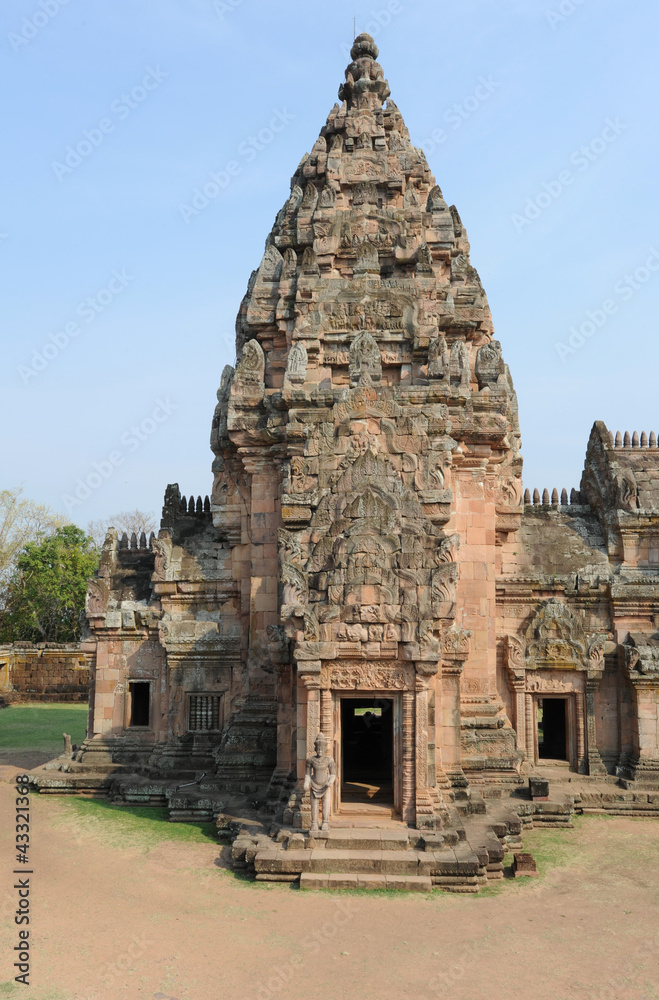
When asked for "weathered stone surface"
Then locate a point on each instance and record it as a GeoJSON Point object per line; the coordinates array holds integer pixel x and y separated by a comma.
{"type": "Point", "coordinates": [367, 537]}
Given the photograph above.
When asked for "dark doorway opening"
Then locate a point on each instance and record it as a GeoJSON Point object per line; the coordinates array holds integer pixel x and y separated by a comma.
{"type": "Point", "coordinates": [139, 703]}
{"type": "Point", "coordinates": [552, 729]}
{"type": "Point", "coordinates": [367, 750]}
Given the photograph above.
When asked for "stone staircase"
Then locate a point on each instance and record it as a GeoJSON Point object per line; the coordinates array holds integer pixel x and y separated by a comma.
{"type": "Point", "coordinates": [460, 859]}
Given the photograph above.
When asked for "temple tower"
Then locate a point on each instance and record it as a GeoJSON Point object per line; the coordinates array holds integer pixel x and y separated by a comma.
{"type": "Point", "coordinates": [367, 466]}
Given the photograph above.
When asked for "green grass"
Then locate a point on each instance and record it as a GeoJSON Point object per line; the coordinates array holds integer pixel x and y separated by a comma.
{"type": "Point", "coordinates": [138, 826]}
{"type": "Point", "coordinates": [40, 726]}
{"type": "Point", "coordinates": [12, 989]}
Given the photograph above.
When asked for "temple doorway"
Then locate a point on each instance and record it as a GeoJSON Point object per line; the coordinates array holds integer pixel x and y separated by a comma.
{"type": "Point", "coordinates": [367, 751]}
{"type": "Point", "coordinates": [552, 716]}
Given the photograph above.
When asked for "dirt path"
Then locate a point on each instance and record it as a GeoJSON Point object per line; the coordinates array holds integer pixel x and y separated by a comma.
{"type": "Point", "coordinates": [122, 920]}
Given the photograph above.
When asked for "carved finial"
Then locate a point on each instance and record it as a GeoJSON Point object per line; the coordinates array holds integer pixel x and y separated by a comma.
{"type": "Point", "coordinates": [653, 439]}
{"type": "Point", "coordinates": [574, 496]}
{"type": "Point", "coordinates": [563, 497]}
{"type": "Point", "coordinates": [554, 497]}
{"type": "Point", "coordinates": [618, 441]}
{"type": "Point", "coordinates": [365, 83]}
{"type": "Point", "coordinates": [143, 540]}
{"type": "Point", "coordinates": [635, 439]}
{"type": "Point", "coordinates": [123, 544]}
{"type": "Point", "coordinates": [191, 505]}
{"type": "Point", "coordinates": [200, 506]}
{"type": "Point", "coordinates": [545, 497]}
{"type": "Point", "coordinates": [626, 441]}
{"type": "Point", "coordinates": [183, 505]}
{"type": "Point", "coordinates": [207, 505]}
{"type": "Point", "coordinates": [644, 439]}
{"type": "Point", "coordinates": [536, 498]}
{"type": "Point", "coordinates": [527, 496]}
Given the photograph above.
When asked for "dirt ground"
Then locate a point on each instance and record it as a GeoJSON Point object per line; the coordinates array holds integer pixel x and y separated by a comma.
{"type": "Point", "coordinates": [117, 917]}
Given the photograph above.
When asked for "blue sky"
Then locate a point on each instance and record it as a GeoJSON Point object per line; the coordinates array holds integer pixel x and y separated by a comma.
{"type": "Point", "coordinates": [539, 120]}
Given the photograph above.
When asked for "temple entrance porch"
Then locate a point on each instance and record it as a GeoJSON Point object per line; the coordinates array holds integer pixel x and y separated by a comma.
{"type": "Point", "coordinates": [393, 729]}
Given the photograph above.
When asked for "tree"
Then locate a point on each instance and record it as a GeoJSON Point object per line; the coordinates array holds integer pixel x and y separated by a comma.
{"type": "Point", "coordinates": [128, 520]}
{"type": "Point", "coordinates": [44, 600]}
{"type": "Point", "coordinates": [22, 521]}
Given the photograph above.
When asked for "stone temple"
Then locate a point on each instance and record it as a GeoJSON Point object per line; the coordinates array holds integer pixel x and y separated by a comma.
{"type": "Point", "coordinates": [368, 564]}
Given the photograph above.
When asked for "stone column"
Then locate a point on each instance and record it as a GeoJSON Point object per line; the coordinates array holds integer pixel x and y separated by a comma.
{"type": "Point", "coordinates": [326, 721]}
{"type": "Point", "coordinates": [640, 668]}
{"type": "Point", "coordinates": [455, 650]}
{"type": "Point", "coordinates": [308, 710]}
{"type": "Point", "coordinates": [408, 803]}
{"type": "Point", "coordinates": [531, 726]}
{"type": "Point", "coordinates": [421, 733]}
{"type": "Point", "coordinates": [312, 685]}
{"type": "Point", "coordinates": [520, 717]}
{"type": "Point", "coordinates": [451, 723]}
{"type": "Point", "coordinates": [595, 763]}
{"type": "Point", "coordinates": [582, 760]}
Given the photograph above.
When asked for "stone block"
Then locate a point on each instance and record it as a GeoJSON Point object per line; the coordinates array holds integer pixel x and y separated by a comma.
{"type": "Point", "coordinates": [539, 788]}
{"type": "Point", "coordinates": [444, 862]}
{"type": "Point", "coordinates": [336, 880]}
{"type": "Point", "coordinates": [524, 864]}
{"type": "Point", "coordinates": [309, 880]}
{"type": "Point", "coordinates": [371, 881]}
{"type": "Point", "coordinates": [392, 840]}
{"type": "Point", "coordinates": [409, 883]}
{"type": "Point", "coordinates": [345, 861]}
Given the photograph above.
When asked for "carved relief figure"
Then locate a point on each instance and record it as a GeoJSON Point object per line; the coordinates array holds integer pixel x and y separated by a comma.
{"type": "Point", "coordinates": [319, 776]}
{"type": "Point", "coordinates": [365, 362]}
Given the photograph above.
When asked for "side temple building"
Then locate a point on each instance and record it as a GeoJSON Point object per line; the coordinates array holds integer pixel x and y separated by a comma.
{"type": "Point", "coordinates": [368, 563]}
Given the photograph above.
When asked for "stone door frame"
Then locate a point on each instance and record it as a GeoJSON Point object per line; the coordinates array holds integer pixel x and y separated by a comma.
{"type": "Point", "coordinates": [572, 722]}
{"type": "Point", "coordinates": [338, 695]}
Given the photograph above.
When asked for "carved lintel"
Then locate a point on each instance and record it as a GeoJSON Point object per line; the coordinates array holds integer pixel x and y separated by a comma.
{"type": "Point", "coordinates": [372, 675]}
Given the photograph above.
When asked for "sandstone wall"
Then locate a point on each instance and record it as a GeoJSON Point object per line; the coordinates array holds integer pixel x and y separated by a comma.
{"type": "Point", "coordinates": [45, 672]}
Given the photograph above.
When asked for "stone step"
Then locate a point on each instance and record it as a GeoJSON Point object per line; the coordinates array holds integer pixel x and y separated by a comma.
{"type": "Point", "coordinates": [323, 862]}
{"type": "Point", "coordinates": [404, 883]}
{"type": "Point", "coordinates": [356, 839]}
{"type": "Point", "coordinates": [621, 809]}
{"type": "Point", "coordinates": [276, 860]}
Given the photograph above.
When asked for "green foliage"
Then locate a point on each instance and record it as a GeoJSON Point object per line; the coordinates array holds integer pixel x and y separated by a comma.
{"type": "Point", "coordinates": [22, 521]}
{"type": "Point", "coordinates": [45, 598]}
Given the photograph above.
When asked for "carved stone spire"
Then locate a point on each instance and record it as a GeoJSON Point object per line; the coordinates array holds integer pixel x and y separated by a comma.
{"type": "Point", "coordinates": [365, 85]}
